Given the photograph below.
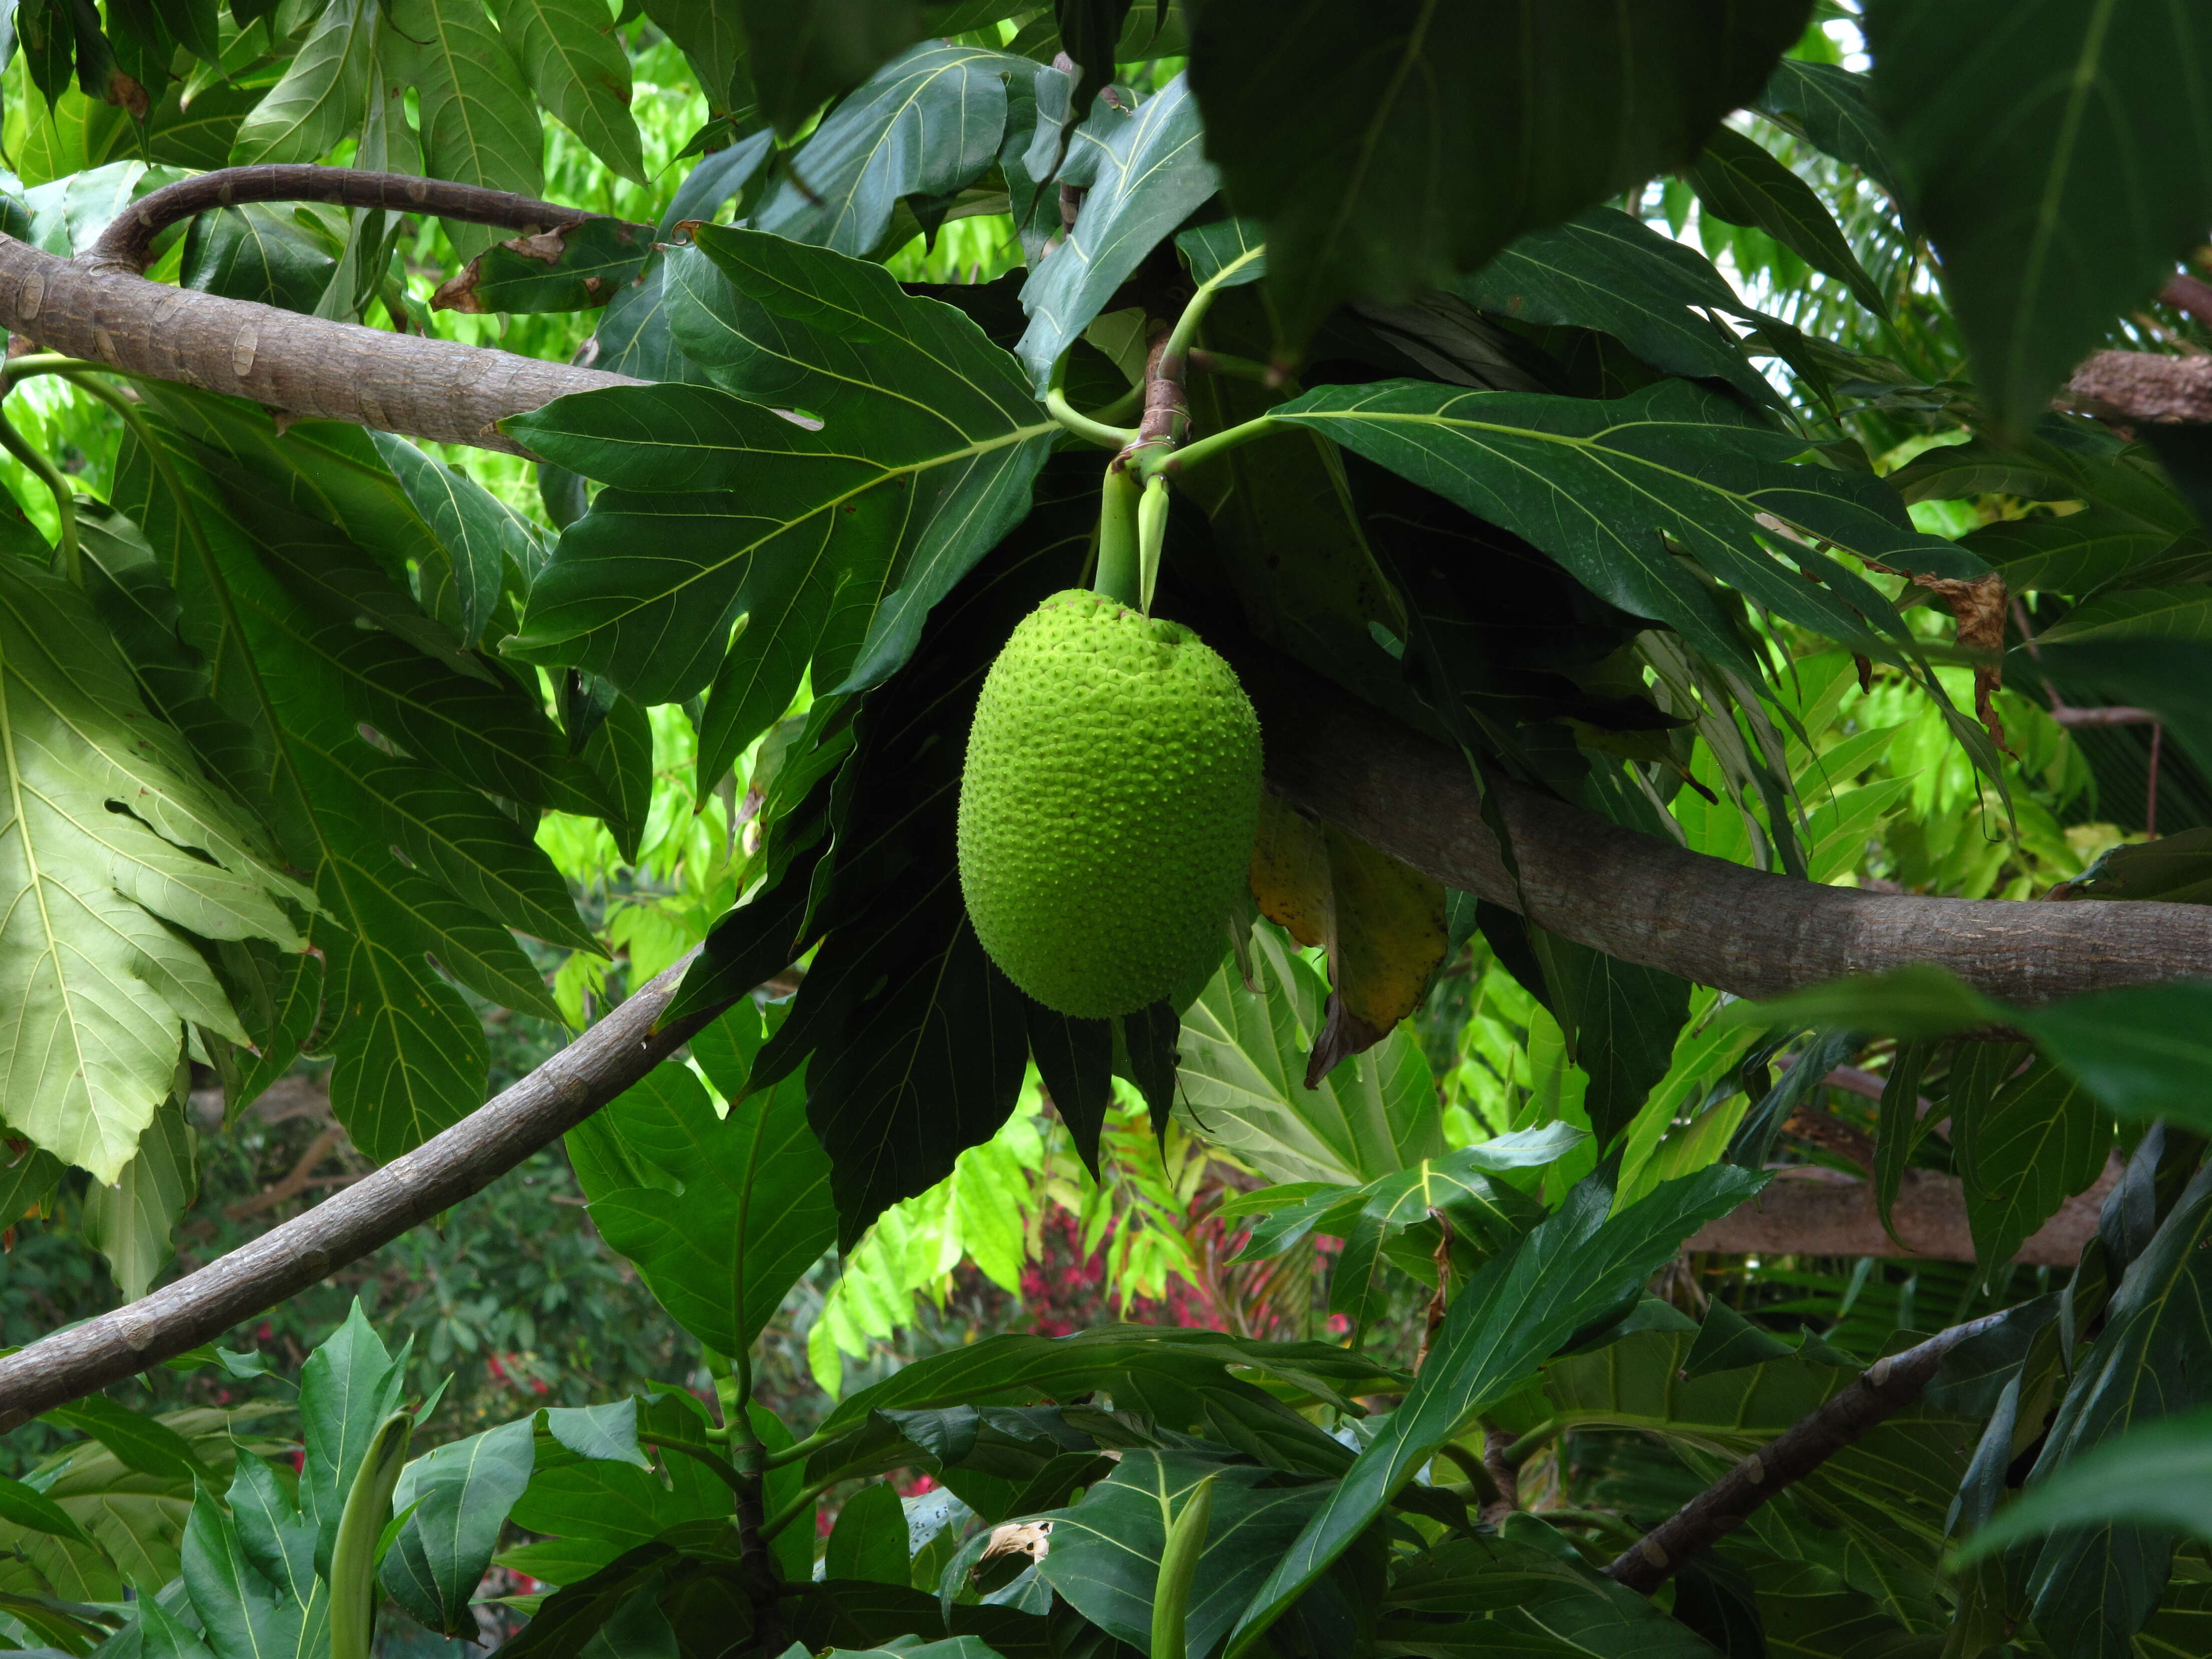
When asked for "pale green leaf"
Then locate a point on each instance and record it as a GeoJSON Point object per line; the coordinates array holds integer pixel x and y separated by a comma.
{"type": "Point", "coordinates": [130, 1223]}
{"type": "Point", "coordinates": [322, 94]}
{"type": "Point", "coordinates": [574, 63]}
{"type": "Point", "coordinates": [94, 983]}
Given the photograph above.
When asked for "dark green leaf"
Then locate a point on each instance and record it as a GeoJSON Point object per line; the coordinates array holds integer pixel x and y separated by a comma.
{"type": "Point", "coordinates": [1105, 1556]}
{"type": "Point", "coordinates": [28, 1182]}
{"type": "Point", "coordinates": [481, 536]}
{"type": "Point", "coordinates": [576, 267]}
{"type": "Point", "coordinates": [1832, 107]}
{"type": "Point", "coordinates": [1916, 1001]}
{"type": "Point", "coordinates": [806, 52]}
{"type": "Point", "coordinates": [461, 1493]}
{"type": "Point", "coordinates": [1425, 138]}
{"type": "Point", "coordinates": [2086, 550]}
{"type": "Point", "coordinates": [350, 1385]}
{"type": "Point", "coordinates": [277, 1541]}
{"type": "Point", "coordinates": [869, 1541]}
{"type": "Point", "coordinates": [573, 60]}
{"type": "Point", "coordinates": [2042, 1140]}
{"type": "Point", "coordinates": [255, 252]}
{"type": "Point", "coordinates": [2055, 155]}
{"type": "Point", "coordinates": [1227, 253]}
{"type": "Point", "coordinates": [2158, 1475]}
{"type": "Point", "coordinates": [1597, 484]}
{"type": "Point", "coordinates": [1179, 1379]}
{"type": "Point", "coordinates": [26, 1506]}
{"type": "Point", "coordinates": [706, 33]}
{"type": "Point", "coordinates": [1737, 180]}
{"type": "Point", "coordinates": [753, 1211]}
{"type": "Point", "coordinates": [1902, 1125]}
{"type": "Point", "coordinates": [2092, 1588]}
{"type": "Point", "coordinates": [139, 1442]}
{"type": "Point", "coordinates": [1473, 1597]}
{"type": "Point", "coordinates": [1603, 269]}
{"type": "Point", "coordinates": [244, 1615]}
{"type": "Point", "coordinates": [835, 537]}
{"type": "Point", "coordinates": [1517, 1311]}
{"type": "Point", "coordinates": [1726, 1342]}
{"type": "Point", "coordinates": [1143, 173]}
{"type": "Point", "coordinates": [927, 123]}
{"type": "Point", "coordinates": [2176, 869]}
{"type": "Point", "coordinates": [2144, 1049]}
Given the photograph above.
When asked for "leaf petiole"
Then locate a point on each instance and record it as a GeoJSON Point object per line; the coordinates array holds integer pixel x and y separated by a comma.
{"type": "Point", "coordinates": [1173, 463]}
{"type": "Point", "coordinates": [1088, 428]}
{"type": "Point", "coordinates": [68, 559]}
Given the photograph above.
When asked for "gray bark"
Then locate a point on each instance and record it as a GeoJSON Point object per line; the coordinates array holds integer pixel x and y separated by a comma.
{"type": "Point", "coordinates": [97, 307]}
{"type": "Point", "coordinates": [1649, 901]}
{"type": "Point", "coordinates": [373, 1212]}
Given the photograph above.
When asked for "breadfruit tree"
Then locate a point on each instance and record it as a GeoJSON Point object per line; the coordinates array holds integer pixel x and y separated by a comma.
{"type": "Point", "coordinates": [1349, 520]}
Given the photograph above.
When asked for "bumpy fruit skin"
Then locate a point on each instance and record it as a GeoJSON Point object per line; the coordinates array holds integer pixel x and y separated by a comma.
{"type": "Point", "coordinates": [1108, 806]}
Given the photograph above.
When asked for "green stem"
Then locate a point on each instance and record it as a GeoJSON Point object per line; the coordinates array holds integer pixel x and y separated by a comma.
{"type": "Point", "coordinates": [361, 1527]}
{"type": "Point", "coordinates": [1532, 1443]}
{"type": "Point", "coordinates": [1471, 1467]}
{"type": "Point", "coordinates": [1186, 1542]}
{"type": "Point", "coordinates": [719, 1465]}
{"type": "Point", "coordinates": [1186, 328]}
{"type": "Point", "coordinates": [1235, 367]}
{"type": "Point", "coordinates": [1119, 576]}
{"type": "Point", "coordinates": [1083, 426]}
{"type": "Point", "coordinates": [1174, 463]}
{"type": "Point", "coordinates": [1612, 1523]}
{"type": "Point", "coordinates": [797, 1506]}
{"type": "Point", "coordinates": [797, 1451]}
{"type": "Point", "coordinates": [69, 559]}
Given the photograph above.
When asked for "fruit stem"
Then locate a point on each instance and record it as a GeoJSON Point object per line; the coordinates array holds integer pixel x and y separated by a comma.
{"type": "Point", "coordinates": [1151, 537]}
{"type": "Point", "coordinates": [1119, 576]}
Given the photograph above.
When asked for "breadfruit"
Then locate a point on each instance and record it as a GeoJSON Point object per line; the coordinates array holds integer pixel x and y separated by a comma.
{"type": "Point", "coordinates": [1108, 806]}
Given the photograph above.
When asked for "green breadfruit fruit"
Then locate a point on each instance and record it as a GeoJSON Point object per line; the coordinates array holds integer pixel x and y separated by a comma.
{"type": "Point", "coordinates": [1108, 806]}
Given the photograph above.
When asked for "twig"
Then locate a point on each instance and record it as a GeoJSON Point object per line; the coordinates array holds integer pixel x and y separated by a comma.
{"type": "Point", "coordinates": [1887, 1386]}
{"type": "Point", "coordinates": [1504, 1474]}
{"type": "Point", "coordinates": [129, 242]}
{"type": "Point", "coordinates": [293, 1184]}
{"type": "Point", "coordinates": [2151, 788]}
{"type": "Point", "coordinates": [1437, 1301]}
{"type": "Point", "coordinates": [287, 1259]}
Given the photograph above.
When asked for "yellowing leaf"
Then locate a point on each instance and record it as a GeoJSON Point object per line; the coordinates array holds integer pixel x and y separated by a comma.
{"type": "Point", "coordinates": [106, 838]}
{"type": "Point", "coordinates": [1381, 924]}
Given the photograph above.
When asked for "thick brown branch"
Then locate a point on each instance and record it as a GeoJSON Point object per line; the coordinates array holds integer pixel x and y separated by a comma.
{"type": "Point", "coordinates": [1888, 1386]}
{"type": "Point", "coordinates": [1648, 901]}
{"type": "Point", "coordinates": [98, 308]}
{"type": "Point", "coordinates": [129, 242]}
{"type": "Point", "coordinates": [375, 1210]}
{"type": "Point", "coordinates": [2118, 715]}
{"type": "Point", "coordinates": [1807, 1211]}
{"type": "Point", "coordinates": [2143, 386]}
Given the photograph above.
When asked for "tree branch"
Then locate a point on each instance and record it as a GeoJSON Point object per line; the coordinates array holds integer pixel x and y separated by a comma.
{"type": "Point", "coordinates": [1648, 901]}
{"type": "Point", "coordinates": [128, 243]}
{"type": "Point", "coordinates": [98, 308]}
{"type": "Point", "coordinates": [1886, 1386]}
{"type": "Point", "coordinates": [287, 1259]}
{"type": "Point", "coordinates": [2142, 385]}
{"type": "Point", "coordinates": [1807, 1211]}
